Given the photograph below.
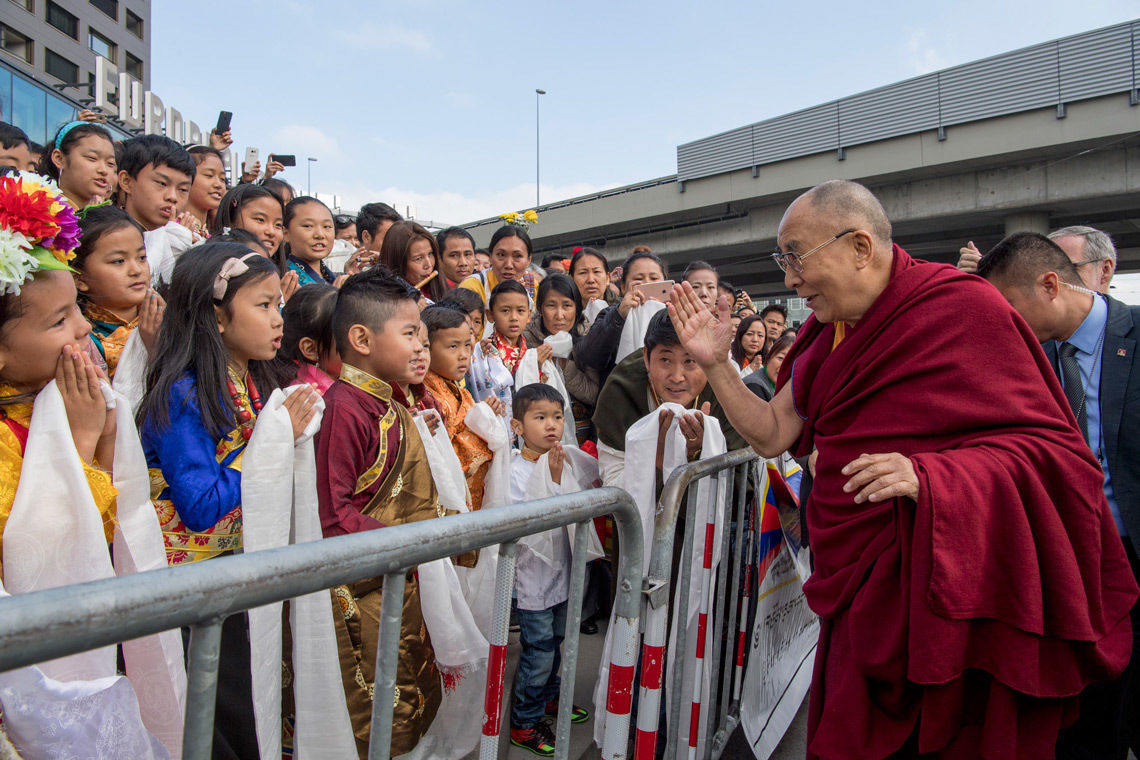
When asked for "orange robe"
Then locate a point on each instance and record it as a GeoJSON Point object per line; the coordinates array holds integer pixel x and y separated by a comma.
{"type": "Point", "coordinates": [473, 453]}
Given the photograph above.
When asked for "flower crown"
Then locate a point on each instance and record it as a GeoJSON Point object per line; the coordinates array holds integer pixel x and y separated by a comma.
{"type": "Point", "coordinates": [39, 229]}
{"type": "Point", "coordinates": [524, 219]}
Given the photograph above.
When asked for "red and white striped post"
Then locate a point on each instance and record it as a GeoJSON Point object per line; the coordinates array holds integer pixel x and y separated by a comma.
{"type": "Point", "coordinates": [652, 673]}
{"type": "Point", "coordinates": [702, 626]}
{"type": "Point", "coordinates": [619, 691]}
{"type": "Point", "coordinates": [497, 655]}
{"type": "Point", "coordinates": [746, 593]}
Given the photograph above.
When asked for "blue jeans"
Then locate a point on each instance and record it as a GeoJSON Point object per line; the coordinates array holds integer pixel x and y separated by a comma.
{"type": "Point", "coordinates": [537, 680]}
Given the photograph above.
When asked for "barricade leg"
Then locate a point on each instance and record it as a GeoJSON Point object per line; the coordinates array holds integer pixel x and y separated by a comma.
{"type": "Point", "coordinates": [652, 670]}
{"type": "Point", "coordinates": [497, 657]}
{"type": "Point", "coordinates": [752, 539]}
{"type": "Point", "coordinates": [673, 729]}
{"type": "Point", "coordinates": [570, 642]}
{"type": "Point", "coordinates": [706, 591]}
{"type": "Point", "coordinates": [726, 706]}
{"type": "Point", "coordinates": [735, 664]}
{"type": "Point", "coordinates": [201, 689]}
{"type": "Point", "coordinates": [387, 657]}
{"type": "Point", "coordinates": [624, 636]}
{"type": "Point", "coordinates": [718, 708]}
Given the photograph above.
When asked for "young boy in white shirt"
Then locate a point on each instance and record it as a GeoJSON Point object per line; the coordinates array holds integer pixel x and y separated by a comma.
{"type": "Point", "coordinates": [542, 575]}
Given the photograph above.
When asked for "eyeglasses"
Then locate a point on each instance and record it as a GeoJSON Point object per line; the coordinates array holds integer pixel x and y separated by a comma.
{"type": "Point", "coordinates": [1086, 261]}
{"type": "Point", "coordinates": [793, 259]}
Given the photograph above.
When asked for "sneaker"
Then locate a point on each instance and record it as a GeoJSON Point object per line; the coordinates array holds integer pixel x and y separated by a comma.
{"type": "Point", "coordinates": [577, 714]}
{"type": "Point", "coordinates": [537, 738]}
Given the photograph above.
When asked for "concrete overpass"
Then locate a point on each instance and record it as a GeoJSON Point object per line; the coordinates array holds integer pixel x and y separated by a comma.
{"type": "Point", "coordinates": [1035, 139]}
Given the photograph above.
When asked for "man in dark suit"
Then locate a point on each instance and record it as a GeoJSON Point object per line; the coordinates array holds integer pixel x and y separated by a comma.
{"type": "Point", "coordinates": [1091, 340]}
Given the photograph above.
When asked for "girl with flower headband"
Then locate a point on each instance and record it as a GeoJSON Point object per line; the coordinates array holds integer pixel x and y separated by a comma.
{"type": "Point", "coordinates": [113, 279]}
{"type": "Point", "coordinates": [72, 479]}
{"type": "Point", "coordinates": [208, 377]}
{"type": "Point", "coordinates": [81, 159]}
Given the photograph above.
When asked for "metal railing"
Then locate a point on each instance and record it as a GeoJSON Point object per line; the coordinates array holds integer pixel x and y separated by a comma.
{"type": "Point", "coordinates": [44, 625]}
{"type": "Point", "coordinates": [737, 559]}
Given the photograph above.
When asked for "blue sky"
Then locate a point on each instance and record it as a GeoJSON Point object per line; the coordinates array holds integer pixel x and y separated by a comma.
{"type": "Point", "coordinates": [430, 103]}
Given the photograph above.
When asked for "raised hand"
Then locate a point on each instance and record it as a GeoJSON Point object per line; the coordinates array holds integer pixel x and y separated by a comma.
{"type": "Point", "coordinates": [250, 173]}
{"type": "Point", "coordinates": [290, 281]}
{"type": "Point", "coordinates": [632, 299]}
{"type": "Point", "coordinates": [273, 167]}
{"type": "Point", "coordinates": [220, 141]}
{"type": "Point", "coordinates": [150, 320]}
{"type": "Point", "coordinates": [692, 426]}
{"type": "Point", "coordinates": [495, 403]}
{"type": "Point", "coordinates": [556, 459]}
{"type": "Point", "coordinates": [301, 407]}
{"type": "Point", "coordinates": [361, 259]}
{"type": "Point", "coordinates": [78, 382]}
{"type": "Point", "coordinates": [968, 257]}
{"type": "Point", "coordinates": [545, 353]}
{"type": "Point", "coordinates": [706, 337]}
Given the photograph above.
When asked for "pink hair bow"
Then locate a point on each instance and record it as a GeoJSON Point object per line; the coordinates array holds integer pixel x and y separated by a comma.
{"type": "Point", "coordinates": [230, 268]}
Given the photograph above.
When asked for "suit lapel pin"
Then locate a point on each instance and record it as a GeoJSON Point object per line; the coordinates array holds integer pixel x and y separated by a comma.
{"type": "Point", "coordinates": [1121, 352]}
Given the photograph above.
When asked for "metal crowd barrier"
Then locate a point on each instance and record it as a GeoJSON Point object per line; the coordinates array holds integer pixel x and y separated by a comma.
{"type": "Point", "coordinates": [725, 612]}
{"type": "Point", "coordinates": [48, 624]}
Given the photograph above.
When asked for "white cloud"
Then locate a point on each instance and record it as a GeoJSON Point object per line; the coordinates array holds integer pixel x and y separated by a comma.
{"type": "Point", "coordinates": [922, 57]}
{"type": "Point", "coordinates": [443, 207]}
{"type": "Point", "coordinates": [304, 141]}
{"type": "Point", "coordinates": [372, 37]}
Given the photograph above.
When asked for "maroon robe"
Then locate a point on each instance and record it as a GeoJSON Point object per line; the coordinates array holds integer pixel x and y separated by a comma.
{"type": "Point", "coordinates": [356, 423]}
{"type": "Point", "coordinates": [966, 623]}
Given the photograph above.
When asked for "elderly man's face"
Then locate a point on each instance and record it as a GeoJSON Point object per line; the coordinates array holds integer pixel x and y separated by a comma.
{"type": "Point", "coordinates": [1095, 274]}
{"type": "Point", "coordinates": [826, 282]}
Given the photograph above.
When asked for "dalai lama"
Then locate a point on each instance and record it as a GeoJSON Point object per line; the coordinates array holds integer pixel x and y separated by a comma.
{"type": "Point", "coordinates": [968, 574]}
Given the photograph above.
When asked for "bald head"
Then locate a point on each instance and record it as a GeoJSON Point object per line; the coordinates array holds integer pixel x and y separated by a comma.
{"type": "Point", "coordinates": [842, 244]}
{"type": "Point", "coordinates": [850, 204]}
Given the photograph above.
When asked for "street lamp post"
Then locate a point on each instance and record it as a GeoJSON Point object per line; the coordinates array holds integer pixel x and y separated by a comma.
{"type": "Point", "coordinates": [311, 162]}
{"type": "Point", "coordinates": [537, 94]}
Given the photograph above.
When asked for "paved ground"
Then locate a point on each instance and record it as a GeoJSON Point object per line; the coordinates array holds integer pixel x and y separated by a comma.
{"type": "Point", "coordinates": [581, 737]}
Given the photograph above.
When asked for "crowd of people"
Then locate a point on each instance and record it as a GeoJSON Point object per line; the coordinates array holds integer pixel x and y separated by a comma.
{"type": "Point", "coordinates": [984, 581]}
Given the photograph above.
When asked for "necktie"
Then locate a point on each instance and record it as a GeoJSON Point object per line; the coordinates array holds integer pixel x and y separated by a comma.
{"type": "Point", "coordinates": [1074, 388]}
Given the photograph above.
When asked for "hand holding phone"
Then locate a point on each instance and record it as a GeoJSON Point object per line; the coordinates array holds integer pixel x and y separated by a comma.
{"type": "Point", "coordinates": [223, 125]}
{"type": "Point", "coordinates": [287, 160]}
{"type": "Point", "coordinates": [659, 290]}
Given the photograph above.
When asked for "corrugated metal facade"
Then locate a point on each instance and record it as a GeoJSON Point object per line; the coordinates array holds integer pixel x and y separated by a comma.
{"type": "Point", "coordinates": [1083, 66]}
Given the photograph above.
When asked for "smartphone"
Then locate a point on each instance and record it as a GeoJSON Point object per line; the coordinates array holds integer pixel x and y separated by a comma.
{"type": "Point", "coordinates": [283, 160]}
{"type": "Point", "coordinates": [251, 158]}
{"type": "Point", "coordinates": [223, 122]}
{"type": "Point", "coordinates": [656, 291]}
{"type": "Point", "coordinates": [739, 293]}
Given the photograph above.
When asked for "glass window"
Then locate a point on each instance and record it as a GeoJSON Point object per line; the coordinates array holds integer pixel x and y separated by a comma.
{"type": "Point", "coordinates": [27, 5]}
{"type": "Point", "coordinates": [102, 46]}
{"type": "Point", "coordinates": [134, 24]}
{"type": "Point", "coordinates": [135, 67]}
{"type": "Point", "coordinates": [110, 7]}
{"type": "Point", "coordinates": [15, 43]}
{"type": "Point", "coordinates": [59, 112]}
{"type": "Point", "coordinates": [60, 68]}
{"type": "Point", "coordinates": [65, 22]}
{"type": "Point", "coordinates": [28, 109]}
{"type": "Point", "coordinates": [5, 95]}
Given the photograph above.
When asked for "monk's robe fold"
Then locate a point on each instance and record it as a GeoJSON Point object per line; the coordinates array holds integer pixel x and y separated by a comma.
{"type": "Point", "coordinates": [979, 612]}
